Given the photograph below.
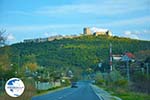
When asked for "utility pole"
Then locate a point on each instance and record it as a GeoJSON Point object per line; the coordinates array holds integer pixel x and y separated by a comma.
{"type": "Point", "coordinates": [147, 70]}
{"type": "Point", "coordinates": [126, 59]}
{"type": "Point", "coordinates": [18, 62]}
{"type": "Point", "coordinates": [110, 51]}
{"type": "Point", "coordinates": [128, 72]}
{"type": "Point", "coordinates": [3, 84]}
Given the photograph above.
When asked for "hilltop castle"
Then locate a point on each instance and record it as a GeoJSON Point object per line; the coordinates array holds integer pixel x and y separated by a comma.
{"type": "Point", "coordinates": [87, 31]}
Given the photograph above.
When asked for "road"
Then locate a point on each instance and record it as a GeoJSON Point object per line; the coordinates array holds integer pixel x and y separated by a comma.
{"type": "Point", "coordinates": [83, 92]}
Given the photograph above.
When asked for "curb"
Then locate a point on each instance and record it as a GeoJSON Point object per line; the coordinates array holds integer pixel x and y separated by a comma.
{"type": "Point", "coordinates": [100, 97]}
{"type": "Point", "coordinates": [105, 95]}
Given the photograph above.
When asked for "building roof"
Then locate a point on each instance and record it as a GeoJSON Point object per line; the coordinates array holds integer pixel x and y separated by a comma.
{"type": "Point", "coordinates": [130, 55]}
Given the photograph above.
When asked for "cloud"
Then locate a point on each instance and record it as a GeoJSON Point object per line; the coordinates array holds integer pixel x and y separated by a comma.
{"type": "Point", "coordinates": [127, 32]}
{"type": "Point", "coordinates": [98, 8]}
{"type": "Point", "coordinates": [10, 37]}
{"type": "Point", "coordinates": [146, 31]}
{"type": "Point", "coordinates": [95, 29]}
{"type": "Point", "coordinates": [47, 34]}
{"type": "Point", "coordinates": [136, 34]}
{"type": "Point", "coordinates": [133, 21]}
{"type": "Point", "coordinates": [68, 10]}
{"type": "Point", "coordinates": [131, 35]}
{"type": "Point", "coordinates": [30, 28]}
{"type": "Point", "coordinates": [109, 7]}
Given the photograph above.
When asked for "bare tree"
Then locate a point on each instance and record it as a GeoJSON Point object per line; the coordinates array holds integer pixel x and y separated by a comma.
{"type": "Point", "coordinates": [2, 37]}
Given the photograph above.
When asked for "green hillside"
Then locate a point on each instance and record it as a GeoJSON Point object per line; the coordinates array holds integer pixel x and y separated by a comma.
{"type": "Point", "coordinates": [84, 51]}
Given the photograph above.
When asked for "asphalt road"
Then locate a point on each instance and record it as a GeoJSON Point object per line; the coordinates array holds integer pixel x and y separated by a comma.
{"type": "Point", "coordinates": [83, 92]}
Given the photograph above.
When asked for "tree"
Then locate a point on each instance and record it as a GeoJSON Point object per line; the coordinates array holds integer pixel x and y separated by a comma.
{"type": "Point", "coordinates": [2, 38]}
{"type": "Point", "coordinates": [6, 68]}
{"type": "Point", "coordinates": [99, 79]}
{"type": "Point", "coordinates": [142, 55]}
{"type": "Point", "coordinates": [5, 62]}
{"type": "Point", "coordinates": [31, 66]}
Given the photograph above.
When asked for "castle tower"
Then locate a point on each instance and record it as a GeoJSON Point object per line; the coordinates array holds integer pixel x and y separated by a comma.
{"type": "Point", "coordinates": [87, 31]}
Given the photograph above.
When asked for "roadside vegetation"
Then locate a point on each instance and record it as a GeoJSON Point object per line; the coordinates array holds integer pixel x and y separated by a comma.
{"type": "Point", "coordinates": [118, 86]}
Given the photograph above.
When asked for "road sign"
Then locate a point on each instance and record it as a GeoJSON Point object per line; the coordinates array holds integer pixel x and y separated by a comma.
{"type": "Point", "coordinates": [100, 65]}
{"type": "Point", "coordinates": [125, 58]}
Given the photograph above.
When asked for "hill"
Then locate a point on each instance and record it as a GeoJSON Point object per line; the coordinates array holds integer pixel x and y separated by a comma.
{"type": "Point", "coordinates": [83, 52]}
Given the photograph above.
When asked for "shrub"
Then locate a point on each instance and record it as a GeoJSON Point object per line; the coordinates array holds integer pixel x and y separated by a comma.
{"type": "Point", "coordinates": [121, 83]}
{"type": "Point", "coordinates": [100, 82]}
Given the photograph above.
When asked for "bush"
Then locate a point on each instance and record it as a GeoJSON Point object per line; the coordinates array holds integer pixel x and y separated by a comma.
{"type": "Point", "coordinates": [100, 82]}
{"type": "Point", "coordinates": [121, 83]}
{"type": "Point", "coordinates": [99, 79]}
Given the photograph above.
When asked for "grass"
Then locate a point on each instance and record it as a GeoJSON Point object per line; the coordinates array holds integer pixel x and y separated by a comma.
{"type": "Point", "coordinates": [132, 96]}
{"type": "Point", "coordinates": [125, 94]}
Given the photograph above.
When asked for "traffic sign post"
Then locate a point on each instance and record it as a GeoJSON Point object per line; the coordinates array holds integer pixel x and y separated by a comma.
{"type": "Point", "coordinates": [128, 71]}
{"type": "Point", "coordinates": [147, 71]}
{"type": "Point", "coordinates": [126, 59]}
{"type": "Point", "coordinates": [100, 65]}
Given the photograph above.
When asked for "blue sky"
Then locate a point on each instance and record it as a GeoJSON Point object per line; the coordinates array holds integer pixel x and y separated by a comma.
{"type": "Point", "coordinates": [25, 19]}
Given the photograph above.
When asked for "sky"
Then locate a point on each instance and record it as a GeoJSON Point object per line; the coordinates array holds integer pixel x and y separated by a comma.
{"type": "Point", "coordinates": [27, 19]}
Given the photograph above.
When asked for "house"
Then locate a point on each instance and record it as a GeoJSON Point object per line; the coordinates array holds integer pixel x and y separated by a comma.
{"type": "Point", "coordinates": [117, 57]}
{"type": "Point", "coordinates": [128, 57]}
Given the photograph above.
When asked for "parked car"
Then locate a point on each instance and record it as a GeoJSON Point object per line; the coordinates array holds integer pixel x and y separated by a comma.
{"type": "Point", "coordinates": [74, 85]}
